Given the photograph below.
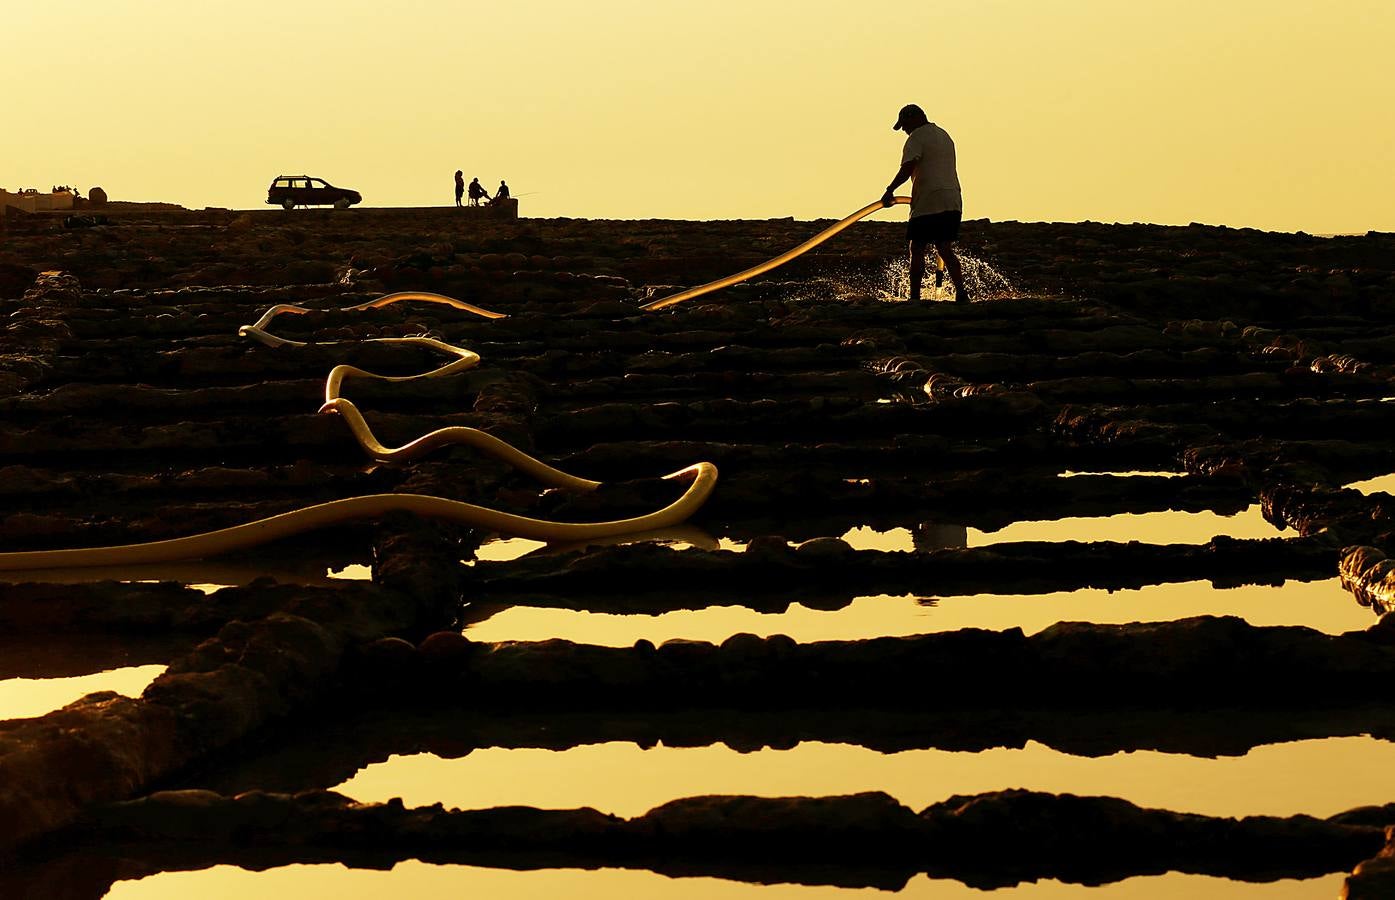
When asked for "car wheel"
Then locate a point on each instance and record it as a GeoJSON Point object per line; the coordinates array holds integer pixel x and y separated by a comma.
{"type": "Point", "coordinates": [288, 203]}
{"type": "Point", "coordinates": [341, 203]}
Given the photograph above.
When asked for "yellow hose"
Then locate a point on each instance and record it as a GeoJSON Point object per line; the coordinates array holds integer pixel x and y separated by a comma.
{"type": "Point", "coordinates": [701, 477]}
{"type": "Point", "coordinates": [776, 262]}
{"type": "Point", "coordinates": [464, 359]}
{"type": "Point", "coordinates": [457, 434]}
{"type": "Point", "coordinates": [258, 331]}
{"type": "Point", "coordinates": [239, 537]}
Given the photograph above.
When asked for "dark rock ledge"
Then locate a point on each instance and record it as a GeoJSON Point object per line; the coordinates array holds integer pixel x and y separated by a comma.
{"type": "Point", "coordinates": [988, 840]}
{"type": "Point", "coordinates": [646, 576]}
{"type": "Point", "coordinates": [350, 732]}
{"type": "Point", "coordinates": [106, 747]}
{"type": "Point", "coordinates": [1198, 662]}
{"type": "Point", "coordinates": [1374, 879]}
{"type": "Point", "coordinates": [1370, 575]}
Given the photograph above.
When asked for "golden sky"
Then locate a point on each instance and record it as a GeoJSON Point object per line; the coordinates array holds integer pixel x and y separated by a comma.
{"type": "Point", "coordinates": [1273, 114]}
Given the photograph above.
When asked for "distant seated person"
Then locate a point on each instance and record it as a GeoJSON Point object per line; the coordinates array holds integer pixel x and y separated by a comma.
{"type": "Point", "coordinates": [477, 192]}
{"type": "Point", "coordinates": [502, 193]}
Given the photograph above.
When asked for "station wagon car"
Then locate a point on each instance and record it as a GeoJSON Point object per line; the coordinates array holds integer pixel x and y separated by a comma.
{"type": "Point", "coordinates": [301, 190]}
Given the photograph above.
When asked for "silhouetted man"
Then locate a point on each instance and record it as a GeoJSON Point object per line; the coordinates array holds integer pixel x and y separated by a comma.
{"type": "Point", "coordinates": [459, 186]}
{"type": "Point", "coordinates": [502, 193]}
{"type": "Point", "coordinates": [936, 202]}
{"type": "Point", "coordinates": [477, 192]}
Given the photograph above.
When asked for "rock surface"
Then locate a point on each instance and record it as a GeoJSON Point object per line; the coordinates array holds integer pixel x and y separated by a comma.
{"type": "Point", "coordinates": [1251, 365]}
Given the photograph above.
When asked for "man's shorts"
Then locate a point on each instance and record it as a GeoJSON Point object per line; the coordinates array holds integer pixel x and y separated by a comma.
{"type": "Point", "coordinates": [935, 228]}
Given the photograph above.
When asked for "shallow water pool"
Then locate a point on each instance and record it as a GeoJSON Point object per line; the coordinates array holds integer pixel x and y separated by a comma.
{"type": "Point", "coordinates": [1161, 527]}
{"type": "Point", "coordinates": [423, 881]}
{"type": "Point", "coordinates": [1137, 473]}
{"type": "Point", "coordinates": [1319, 777]}
{"type": "Point", "coordinates": [351, 572]}
{"type": "Point", "coordinates": [1322, 605]}
{"type": "Point", "coordinates": [23, 698]}
{"type": "Point", "coordinates": [506, 549]}
{"type": "Point", "coordinates": [1380, 484]}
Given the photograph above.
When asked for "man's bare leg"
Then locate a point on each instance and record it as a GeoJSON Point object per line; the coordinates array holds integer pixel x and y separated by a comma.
{"type": "Point", "coordinates": [956, 272]}
{"type": "Point", "coordinates": [917, 268]}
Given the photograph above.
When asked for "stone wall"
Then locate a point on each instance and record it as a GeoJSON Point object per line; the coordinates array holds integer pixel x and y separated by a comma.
{"type": "Point", "coordinates": [58, 200]}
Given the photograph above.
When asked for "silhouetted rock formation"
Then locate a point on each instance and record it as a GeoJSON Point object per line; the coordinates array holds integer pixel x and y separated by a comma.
{"type": "Point", "coordinates": [1252, 366]}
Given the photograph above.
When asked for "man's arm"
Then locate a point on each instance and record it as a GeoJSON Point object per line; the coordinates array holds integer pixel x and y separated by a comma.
{"type": "Point", "coordinates": [901, 175]}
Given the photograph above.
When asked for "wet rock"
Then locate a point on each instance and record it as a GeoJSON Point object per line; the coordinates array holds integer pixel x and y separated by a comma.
{"type": "Point", "coordinates": [137, 392]}
{"type": "Point", "coordinates": [825, 549]}
{"type": "Point", "coordinates": [105, 750]}
{"type": "Point", "coordinates": [15, 279]}
{"type": "Point", "coordinates": [1374, 879]}
{"type": "Point", "coordinates": [115, 607]}
{"type": "Point", "coordinates": [390, 655]}
{"type": "Point", "coordinates": [1370, 576]}
{"type": "Point", "coordinates": [743, 645]}
{"type": "Point", "coordinates": [1054, 833]}
{"type": "Point", "coordinates": [683, 654]}
{"type": "Point", "coordinates": [1383, 632]}
{"type": "Point", "coordinates": [446, 649]}
{"type": "Point", "coordinates": [776, 826]}
{"type": "Point", "coordinates": [809, 839]}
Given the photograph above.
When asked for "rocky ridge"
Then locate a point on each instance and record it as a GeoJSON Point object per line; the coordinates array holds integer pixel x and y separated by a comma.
{"type": "Point", "coordinates": [1256, 364]}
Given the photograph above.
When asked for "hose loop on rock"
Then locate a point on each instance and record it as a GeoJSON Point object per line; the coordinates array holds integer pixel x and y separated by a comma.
{"type": "Point", "coordinates": [700, 478]}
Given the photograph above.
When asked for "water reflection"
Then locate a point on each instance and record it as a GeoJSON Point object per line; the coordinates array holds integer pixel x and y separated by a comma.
{"type": "Point", "coordinates": [1323, 605]}
{"type": "Point", "coordinates": [47, 656]}
{"type": "Point", "coordinates": [423, 881]}
{"type": "Point", "coordinates": [1163, 527]}
{"type": "Point", "coordinates": [1160, 527]}
{"type": "Point", "coordinates": [1317, 777]}
{"type": "Point", "coordinates": [1133, 474]}
{"type": "Point", "coordinates": [923, 537]}
{"type": "Point", "coordinates": [329, 749]}
{"type": "Point", "coordinates": [204, 575]}
{"type": "Point", "coordinates": [1380, 484]}
{"type": "Point", "coordinates": [679, 537]}
{"type": "Point", "coordinates": [506, 549]}
{"type": "Point", "coordinates": [352, 572]}
{"type": "Point", "coordinates": [23, 698]}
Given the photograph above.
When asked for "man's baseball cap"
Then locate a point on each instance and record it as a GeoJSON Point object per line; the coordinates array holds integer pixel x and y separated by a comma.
{"type": "Point", "coordinates": [908, 112]}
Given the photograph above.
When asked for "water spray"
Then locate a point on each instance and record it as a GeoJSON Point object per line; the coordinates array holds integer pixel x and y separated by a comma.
{"type": "Point", "coordinates": [776, 262]}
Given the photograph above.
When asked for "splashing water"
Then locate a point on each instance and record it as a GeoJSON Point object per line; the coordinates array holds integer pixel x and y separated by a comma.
{"type": "Point", "coordinates": [984, 282]}
{"type": "Point", "coordinates": [892, 283]}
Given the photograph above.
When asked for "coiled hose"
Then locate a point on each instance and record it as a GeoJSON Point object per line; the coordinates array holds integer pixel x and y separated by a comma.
{"type": "Point", "coordinates": [699, 478]}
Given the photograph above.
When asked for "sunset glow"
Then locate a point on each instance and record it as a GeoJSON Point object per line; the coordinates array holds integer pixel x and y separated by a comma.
{"type": "Point", "coordinates": [1246, 113]}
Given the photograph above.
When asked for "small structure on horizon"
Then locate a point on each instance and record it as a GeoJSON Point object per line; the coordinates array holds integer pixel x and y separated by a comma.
{"type": "Point", "coordinates": [31, 200]}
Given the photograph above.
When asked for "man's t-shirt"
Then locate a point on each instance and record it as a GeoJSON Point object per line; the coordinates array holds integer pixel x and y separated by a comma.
{"type": "Point", "coordinates": [936, 183]}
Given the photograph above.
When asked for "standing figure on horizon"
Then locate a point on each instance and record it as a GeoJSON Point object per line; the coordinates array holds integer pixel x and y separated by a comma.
{"type": "Point", "coordinates": [936, 202]}
{"type": "Point", "coordinates": [502, 193]}
{"type": "Point", "coordinates": [477, 192]}
{"type": "Point", "coordinates": [459, 186]}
